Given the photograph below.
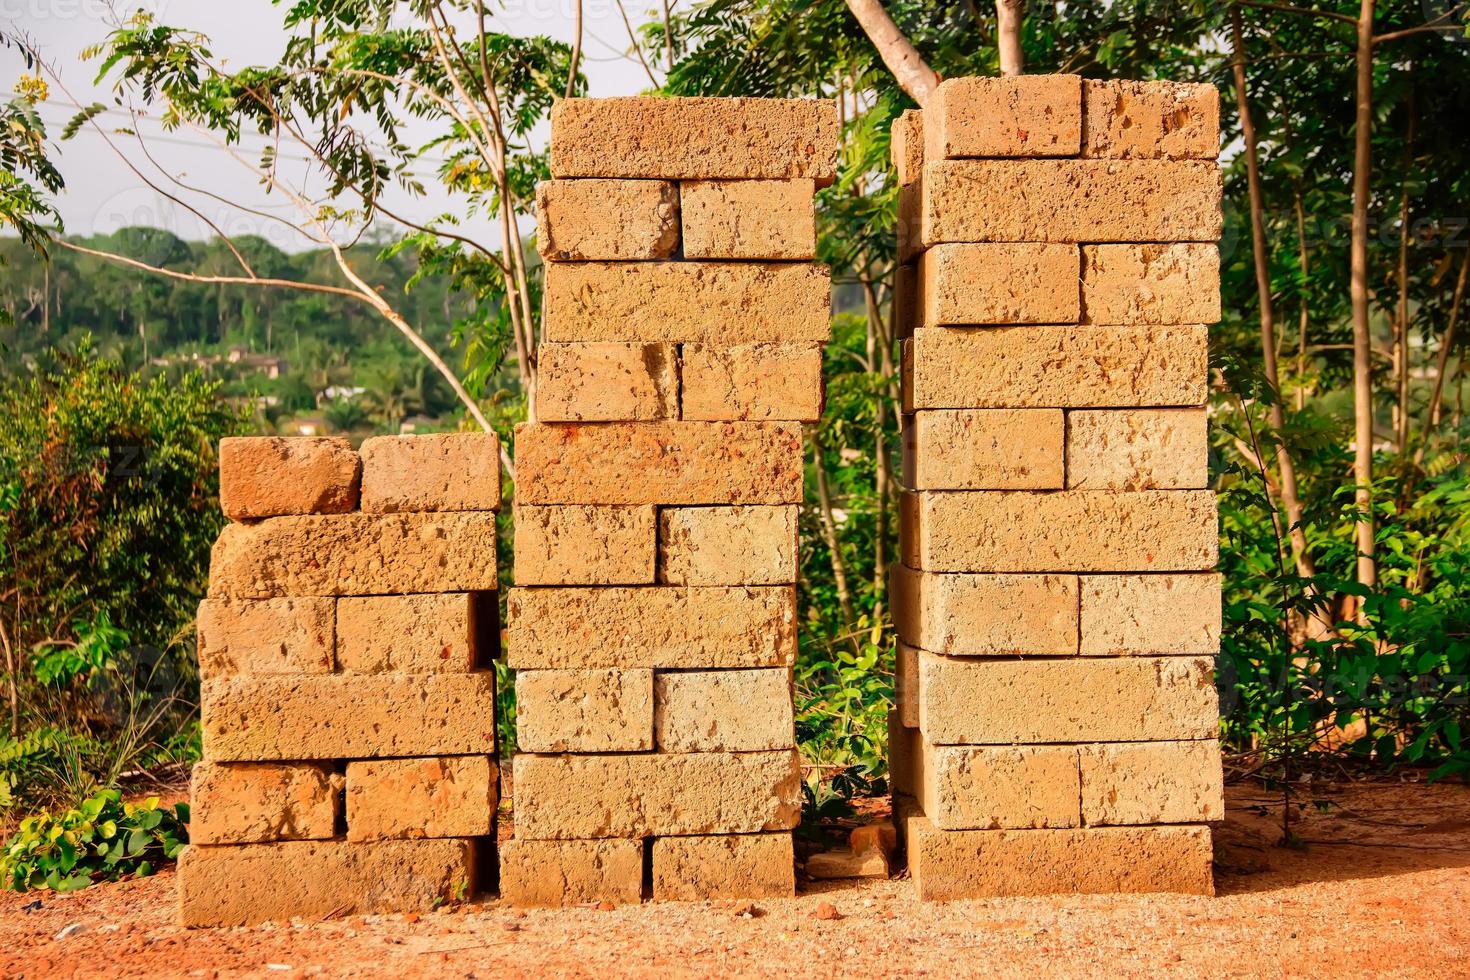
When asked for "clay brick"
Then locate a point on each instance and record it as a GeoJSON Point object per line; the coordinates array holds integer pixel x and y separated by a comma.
{"type": "Point", "coordinates": [695, 869]}
{"type": "Point", "coordinates": [451, 471]}
{"type": "Point", "coordinates": [606, 382]}
{"type": "Point", "coordinates": [671, 627]}
{"type": "Point", "coordinates": [556, 873]}
{"type": "Point", "coordinates": [1133, 615]}
{"type": "Point", "coordinates": [602, 710]}
{"type": "Point", "coordinates": [585, 545]}
{"type": "Point", "coordinates": [749, 219]}
{"type": "Point", "coordinates": [997, 702]}
{"type": "Point", "coordinates": [755, 382]}
{"type": "Point", "coordinates": [1152, 782]}
{"type": "Point", "coordinates": [1061, 201]}
{"type": "Point", "coordinates": [1169, 120]}
{"type": "Point", "coordinates": [355, 554]}
{"type": "Point", "coordinates": [451, 796]}
{"type": "Point", "coordinates": [695, 138]}
{"type": "Point", "coordinates": [727, 545]}
{"type": "Point", "coordinates": [984, 449]}
{"type": "Point", "coordinates": [414, 634]}
{"type": "Point", "coordinates": [688, 302]}
{"type": "Point", "coordinates": [1138, 449]}
{"type": "Point", "coordinates": [906, 146]}
{"type": "Point", "coordinates": [1076, 530]}
{"type": "Point", "coordinates": [1007, 283]}
{"type": "Point", "coordinates": [660, 463]}
{"type": "Point", "coordinates": [986, 615]}
{"type": "Point", "coordinates": [1056, 367]}
{"type": "Point", "coordinates": [648, 795]}
{"type": "Point", "coordinates": [906, 299]}
{"type": "Point", "coordinates": [1156, 284]}
{"type": "Point", "coordinates": [254, 802]}
{"type": "Point", "coordinates": [904, 756]}
{"type": "Point", "coordinates": [237, 886]}
{"type": "Point", "coordinates": [906, 685]}
{"type": "Point", "coordinates": [341, 716]}
{"type": "Point", "coordinates": [581, 220]}
{"type": "Point", "coordinates": [1000, 787]}
{"type": "Point", "coordinates": [265, 636]}
{"type": "Point", "coordinates": [957, 864]}
{"type": "Point", "coordinates": [723, 710]}
{"type": "Point", "coordinates": [1023, 116]}
{"type": "Point", "coordinates": [269, 476]}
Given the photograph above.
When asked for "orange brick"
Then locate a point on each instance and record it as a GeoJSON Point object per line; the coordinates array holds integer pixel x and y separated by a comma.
{"type": "Point", "coordinates": [906, 685]}
{"type": "Point", "coordinates": [268, 476]}
{"type": "Point", "coordinates": [600, 710]}
{"type": "Point", "coordinates": [749, 219]}
{"type": "Point", "coordinates": [905, 763]}
{"type": "Point", "coordinates": [1170, 120]}
{"type": "Point", "coordinates": [254, 802]}
{"type": "Point", "coordinates": [1152, 782]}
{"type": "Point", "coordinates": [415, 634]}
{"type": "Point", "coordinates": [1143, 615]}
{"type": "Point", "coordinates": [578, 220]}
{"type": "Point", "coordinates": [265, 636]}
{"type": "Point", "coordinates": [606, 382]}
{"type": "Point", "coordinates": [555, 873]}
{"type": "Point", "coordinates": [906, 146]}
{"type": "Point", "coordinates": [906, 312]}
{"type": "Point", "coordinates": [1022, 116]}
{"type": "Point", "coordinates": [723, 710]}
{"type": "Point", "coordinates": [1138, 449]}
{"type": "Point", "coordinates": [1005, 283]}
{"type": "Point", "coordinates": [583, 544]}
{"type": "Point", "coordinates": [696, 869]}
{"type": "Point", "coordinates": [984, 449]}
{"type": "Point", "coordinates": [449, 471]}
{"type": "Point", "coordinates": [986, 615]}
{"type": "Point", "coordinates": [453, 796]}
{"type": "Point", "coordinates": [1150, 284]}
{"type": "Point", "coordinates": [727, 545]}
{"type": "Point", "coordinates": [754, 382]}
{"type": "Point", "coordinates": [966, 787]}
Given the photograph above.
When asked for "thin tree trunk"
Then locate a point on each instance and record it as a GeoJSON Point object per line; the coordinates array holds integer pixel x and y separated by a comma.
{"type": "Point", "coordinates": [576, 54]}
{"type": "Point", "coordinates": [1305, 312]}
{"type": "Point", "coordinates": [909, 68]}
{"type": "Point", "coordinates": [1358, 289]}
{"type": "Point", "coordinates": [1008, 17]}
{"type": "Point", "coordinates": [1290, 498]}
{"type": "Point", "coordinates": [1441, 372]}
{"type": "Point", "coordinates": [1401, 312]}
{"type": "Point", "coordinates": [877, 341]}
{"type": "Point", "coordinates": [829, 534]}
{"type": "Point", "coordinates": [12, 669]}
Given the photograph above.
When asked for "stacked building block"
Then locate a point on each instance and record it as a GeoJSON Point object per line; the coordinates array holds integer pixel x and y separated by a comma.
{"type": "Point", "coordinates": [345, 653]}
{"type": "Point", "coordinates": [653, 623]}
{"type": "Point", "coordinates": [1057, 718]}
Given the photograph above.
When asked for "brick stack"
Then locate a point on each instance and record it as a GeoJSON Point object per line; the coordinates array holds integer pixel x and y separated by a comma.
{"type": "Point", "coordinates": [653, 625]}
{"type": "Point", "coordinates": [348, 708]}
{"type": "Point", "coordinates": [1057, 719]}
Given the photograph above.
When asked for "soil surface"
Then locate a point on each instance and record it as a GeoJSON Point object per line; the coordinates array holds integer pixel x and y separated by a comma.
{"type": "Point", "coordinates": [1382, 888]}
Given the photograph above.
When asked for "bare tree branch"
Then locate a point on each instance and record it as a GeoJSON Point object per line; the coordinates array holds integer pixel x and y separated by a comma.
{"type": "Point", "coordinates": [1008, 17]}
{"type": "Point", "coordinates": [909, 68]}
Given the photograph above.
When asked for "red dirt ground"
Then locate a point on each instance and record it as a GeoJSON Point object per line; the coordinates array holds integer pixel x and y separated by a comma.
{"type": "Point", "coordinates": [1383, 889]}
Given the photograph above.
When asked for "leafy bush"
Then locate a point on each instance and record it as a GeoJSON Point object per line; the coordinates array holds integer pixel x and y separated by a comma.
{"type": "Point", "coordinates": [104, 838]}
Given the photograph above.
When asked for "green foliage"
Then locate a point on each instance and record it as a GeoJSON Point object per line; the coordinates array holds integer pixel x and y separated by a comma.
{"type": "Point", "coordinates": [102, 839]}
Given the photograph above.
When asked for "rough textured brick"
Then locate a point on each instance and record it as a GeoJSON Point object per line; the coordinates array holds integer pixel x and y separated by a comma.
{"type": "Point", "coordinates": [348, 716]}
{"type": "Point", "coordinates": [1000, 787]}
{"type": "Point", "coordinates": [660, 463]}
{"type": "Point", "coordinates": [986, 615]}
{"type": "Point", "coordinates": [723, 710]}
{"type": "Point", "coordinates": [984, 449]}
{"type": "Point", "coordinates": [727, 545]}
{"type": "Point", "coordinates": [906, 146]}
{"type": "Point", "coordinates": [554, 873]}
{"type": "Point", "coordinates": [265, 636]}
{"type": "Point", "coordinates": [904, 745]}
{"type": "Point", "coordinates": [756, 382]}
{"type": "Point", "coordinates": [581, 220]}
{"type": "Point", "coordinates": [1165, 284]}
{"type": "Point", "coordinates": [236, 886]}
{"type": "Point", "coordinates": [648, 795]}
{"type": "Point", "coordinates": [1023, 116]}
{"type": "Point", "coordinates": [267, 476]}
{"type": "Point", "coordinates": [414, 634]}
{"type": "Point", "coordinates": [585, 545]}
{"type": "Point", "coordinates": [453, 796]}
{"type": "Point", "coordinates": [1056, 367]}
{"type": "Point", "coordinates": [1145, 615]}
{"type": "Point", "coordinates": [687, 302]}
{"type": "Point", "coordinates": [606, 382]}
{"type": "Point", "coordinates": [1077, 530]}
{"type": "Point", "coordinates": [1061, 201]}
{"type": "Point", "coordinates": [1138, 449]}
{"type": "Point", "coordinates": [1172, 120]}
{"type": "Point", "coordinates": [990, 702]}
{"type": "Point", "coordinates": [673, 627]}
{"type": "Point", "coordinates": [694, 869]}
{"type": "Point", "coordinates": [602, 710]}
{"type": "Point", "coordinates": [254, 802]}
{"type": "Point", "coordinates": [695, 138]}
{"type": "Point", "coordinates": [446, 471]}
{"type": "Point", "coordinates": [988, 283]}
{"type": "Point", "coordinates": [1152, 782]}
{"type": "Point", "coordinates": [956, 864]}
{"type": "Point", "coordinates": [749, 219]}
{"type": "Point", "coordinates": [355, 554]}
{"type": "Point", "coordinates": [906, 685]}
{"type": "Point", "coordinates": [905, 299]}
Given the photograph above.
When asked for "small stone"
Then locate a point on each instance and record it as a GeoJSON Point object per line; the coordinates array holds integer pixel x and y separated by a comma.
{"type": "Point", "coordinates": [827, 912]}
{"type": "Point", "coordinates": [843, 863]}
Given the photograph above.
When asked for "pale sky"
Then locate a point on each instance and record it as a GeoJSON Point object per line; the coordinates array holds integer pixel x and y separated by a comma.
{"type": "Point", "coordinates": [103, 195]}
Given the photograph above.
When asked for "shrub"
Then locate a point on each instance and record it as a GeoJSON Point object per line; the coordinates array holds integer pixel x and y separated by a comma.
{"type": "Point", "coordinates": [104, 838]}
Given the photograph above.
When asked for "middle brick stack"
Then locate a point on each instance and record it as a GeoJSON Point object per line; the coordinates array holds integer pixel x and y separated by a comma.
{"type": "Point", "coordinates": [653, 624]}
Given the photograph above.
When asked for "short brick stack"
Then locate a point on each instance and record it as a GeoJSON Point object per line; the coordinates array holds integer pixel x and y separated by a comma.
{"type": "Point", "coordinates": [653, 626]}
{"type": "Point", "coordinates": [344, 651]}
{"type": "Point", "coordinates": [1057, 719]}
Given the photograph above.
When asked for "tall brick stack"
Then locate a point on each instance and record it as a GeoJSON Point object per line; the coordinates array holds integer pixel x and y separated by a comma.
{"type": "Point", "coordinates": [653, 625]}
{"type": "Point", "coordinates": [1057, 719]}
{"type": "Point", "coordinates": [348, 704]}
